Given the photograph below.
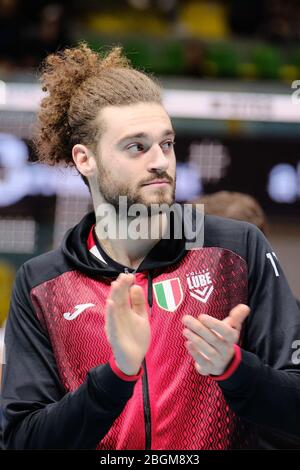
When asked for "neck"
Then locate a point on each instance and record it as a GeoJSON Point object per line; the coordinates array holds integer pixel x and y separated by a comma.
{"type": "Point", "coordinates": [124, 246]}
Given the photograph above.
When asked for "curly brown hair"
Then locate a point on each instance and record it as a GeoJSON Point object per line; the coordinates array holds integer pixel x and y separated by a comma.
{"type": "Point", "coordinates": [79, 82]}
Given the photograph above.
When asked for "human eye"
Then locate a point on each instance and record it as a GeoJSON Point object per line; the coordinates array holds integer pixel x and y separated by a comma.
{"type": "Point", "coordinates": [135, 147]}
{"type": "Point", "coordinates": [168, 145]}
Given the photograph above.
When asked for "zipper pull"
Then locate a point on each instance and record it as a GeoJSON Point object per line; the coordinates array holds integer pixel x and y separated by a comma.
{"type": "Point", "coordinates": [126, 271]}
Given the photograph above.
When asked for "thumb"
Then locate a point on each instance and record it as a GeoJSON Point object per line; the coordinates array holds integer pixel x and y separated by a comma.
{"type": "Point", "coordinates": [237, 316]}
{"type": "Point", "coordinates": [137, 300]}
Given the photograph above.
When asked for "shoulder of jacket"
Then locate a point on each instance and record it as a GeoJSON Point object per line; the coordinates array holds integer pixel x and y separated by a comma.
{"type": "Point", "coordinates": [44, 267]}
{"type": "Point", "coordinates": [234, 235]}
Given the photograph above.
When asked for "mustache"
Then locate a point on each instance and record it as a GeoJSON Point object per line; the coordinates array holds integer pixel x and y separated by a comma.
{"type": "Point", "coordinates": [159, 176]}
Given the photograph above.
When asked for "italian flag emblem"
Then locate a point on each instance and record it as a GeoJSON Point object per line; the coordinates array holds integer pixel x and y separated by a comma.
{"type": "Point", "coordinates": [168, 294]}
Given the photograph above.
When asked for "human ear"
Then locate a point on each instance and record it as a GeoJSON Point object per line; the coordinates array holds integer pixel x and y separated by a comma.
{"type": "Point", "coordinates": [84, 160]}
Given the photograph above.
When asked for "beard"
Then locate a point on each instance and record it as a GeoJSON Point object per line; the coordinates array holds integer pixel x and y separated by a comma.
{"type": "Point", "coordinates": [112, 190]}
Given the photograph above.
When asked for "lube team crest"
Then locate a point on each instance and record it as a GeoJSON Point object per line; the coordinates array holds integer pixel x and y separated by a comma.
{"type": "Point", "coordinates": [168, 294]}
{"type": "Point", "coordinates": [200, 285]}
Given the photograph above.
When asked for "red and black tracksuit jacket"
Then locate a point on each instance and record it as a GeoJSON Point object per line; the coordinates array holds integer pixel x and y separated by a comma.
{"type": "Point", "coordinates": [62, 389]}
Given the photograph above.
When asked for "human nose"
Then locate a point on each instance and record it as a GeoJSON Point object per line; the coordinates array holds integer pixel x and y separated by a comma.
{"type": "Point", "coordinates": [158, 159]}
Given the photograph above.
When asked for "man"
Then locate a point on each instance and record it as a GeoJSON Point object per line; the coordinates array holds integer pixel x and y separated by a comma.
{"type": "Point", "coordinates": [119, 342]}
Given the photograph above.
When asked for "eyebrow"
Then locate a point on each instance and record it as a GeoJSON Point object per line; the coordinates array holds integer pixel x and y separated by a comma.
{"type": "Point", "coordinates": [143, 135]}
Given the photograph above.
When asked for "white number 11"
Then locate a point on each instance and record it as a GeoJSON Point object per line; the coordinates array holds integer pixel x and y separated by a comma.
{"type": "Point", "coordinates": [271, 257]}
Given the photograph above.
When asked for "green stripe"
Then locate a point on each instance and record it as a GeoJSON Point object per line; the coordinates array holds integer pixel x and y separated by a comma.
{"type": "Point", "coordinates": [161, 295]}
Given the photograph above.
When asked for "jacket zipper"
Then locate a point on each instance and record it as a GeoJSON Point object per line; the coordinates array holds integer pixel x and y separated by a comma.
{"type": "Point", "coordinates": [146, 400]}
{"type": "Point", "coordinates": [147, 415]}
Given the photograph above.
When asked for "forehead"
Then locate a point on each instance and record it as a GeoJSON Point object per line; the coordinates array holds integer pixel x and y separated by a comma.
{"type": "Point", "coordinates": [149, 118]}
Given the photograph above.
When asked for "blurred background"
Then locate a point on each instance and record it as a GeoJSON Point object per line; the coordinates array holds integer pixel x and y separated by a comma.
{"type": "Point", "coordinates": [229, 70]}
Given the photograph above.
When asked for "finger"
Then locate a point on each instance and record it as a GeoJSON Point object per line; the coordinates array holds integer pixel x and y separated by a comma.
{"type": "Point", "coordinates": [201, 346]}
{"type": "Point", "coordinates": [202, 362]}
{"type": "Point", "coordinates": [137, 297]}
{"type": "Point", "coordinates": [120, 288]}
{"type": "Point", "coordinates": [216, 341]}
{"type": "Point", "coordinates": [218, 326]}
{"type": "Point", "coordinates": [110, 320]}
{"type": "Point", "coordinates": [237, 316]}
{"type": "Point", "coordinates": [200, 369]}
{"type": "Point", "coordinates": [115, 293]}
{"type": "Point", "coordinates": [109, 306]}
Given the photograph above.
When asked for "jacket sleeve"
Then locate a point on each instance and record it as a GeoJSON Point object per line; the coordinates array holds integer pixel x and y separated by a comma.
{"type": "Point", "coordinates": [265, 387]}
{"type": "Point", "coordinates": [38, 413]}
